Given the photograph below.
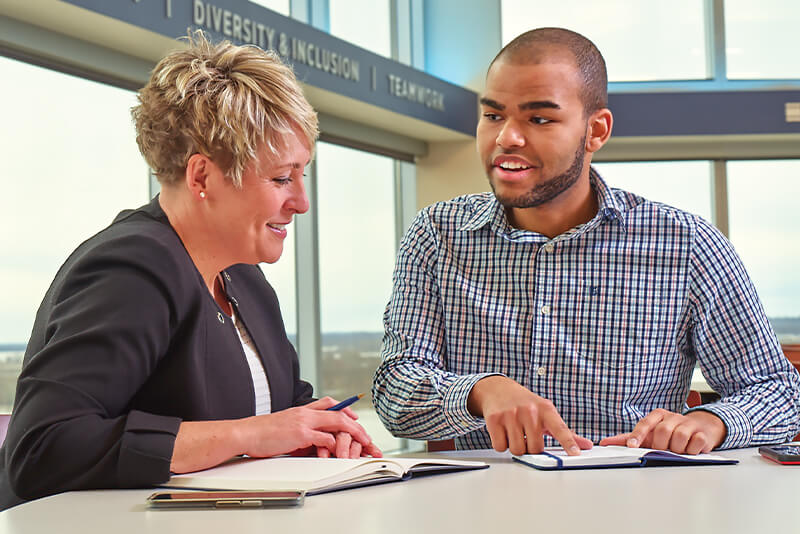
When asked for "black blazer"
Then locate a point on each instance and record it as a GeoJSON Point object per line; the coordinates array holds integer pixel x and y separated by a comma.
{"type": "Point", "coordinates": [127, 343]}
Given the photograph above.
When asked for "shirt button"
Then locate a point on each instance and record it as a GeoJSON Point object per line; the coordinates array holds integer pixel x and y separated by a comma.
{"type": "Point", "coordinates": [548, 247]}
{"type": "Point", "coordinates": [220, 317]}
{"type": "Point", "coordinates": [541, 371]}
{"type": "Point", "coordinates": [545, 310]}
{"type": "Point", "coordinates": [227, 276]}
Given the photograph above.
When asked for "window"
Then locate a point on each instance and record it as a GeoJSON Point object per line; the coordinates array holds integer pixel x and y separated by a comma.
{"type": "Point", "coordinates": [761, 38]}
{"type": "Point", "coordinates": [356, 225]}
{"type": "Point", "coordinates": [764, 220]}
{"type": "Point", "coordinates": [70, 165]}
{"type": "Point", "coordinates": [639, 40]}
{"type": "Point", "coordinates": [365, 23]}
{"type": "Point", "coordinates": [682, 184]}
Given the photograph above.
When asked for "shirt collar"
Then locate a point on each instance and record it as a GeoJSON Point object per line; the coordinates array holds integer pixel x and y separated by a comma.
{"type": "Point", "coordinates": [609, 208]}
{"type": "Point", "coordinates": [488, 211]}
{"type": "Point", "coordinates": [485, 209]}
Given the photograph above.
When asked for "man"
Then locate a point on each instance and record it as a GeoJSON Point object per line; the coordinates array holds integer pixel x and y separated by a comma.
{"type": "Point", "coordinates": [559, 309]}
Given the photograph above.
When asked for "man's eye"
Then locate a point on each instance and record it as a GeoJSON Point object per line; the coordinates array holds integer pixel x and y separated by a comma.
{"type": "Point", "coordinates": [540, 120]}
{"type": "Point", "coordinates": [491, 116]}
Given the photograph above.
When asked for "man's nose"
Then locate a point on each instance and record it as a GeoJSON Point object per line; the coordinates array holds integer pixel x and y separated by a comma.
{"type": "Point", "coordinates": [510, 135]}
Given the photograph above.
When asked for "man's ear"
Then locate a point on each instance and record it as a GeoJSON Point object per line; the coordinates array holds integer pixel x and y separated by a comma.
{"type": "Point", "coordinates": [599, 129]}
{"type": "Point", "coordinates": [198, 169]}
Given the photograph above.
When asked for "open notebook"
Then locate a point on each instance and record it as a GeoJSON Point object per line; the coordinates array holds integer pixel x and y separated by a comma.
{"type": "Point", "coordinates": [314, 475]}
{"type": "Point", "coordinates": [616, 456]}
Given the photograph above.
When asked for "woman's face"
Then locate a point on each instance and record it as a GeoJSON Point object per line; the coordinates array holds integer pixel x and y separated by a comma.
{"type": "Point", "coordinates": [252, 220]}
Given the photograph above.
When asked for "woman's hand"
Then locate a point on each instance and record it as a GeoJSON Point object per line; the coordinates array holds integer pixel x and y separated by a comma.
{"type": "Point", "coordinates": [326, 402]}
{"type": "Point", "coordinates": [204, 444]}
{"type": "Point", "coordinates": [346, 446]}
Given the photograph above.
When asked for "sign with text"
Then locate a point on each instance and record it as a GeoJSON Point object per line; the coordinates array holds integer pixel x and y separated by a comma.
{"type": "Point", "coordinates": [318, 58]}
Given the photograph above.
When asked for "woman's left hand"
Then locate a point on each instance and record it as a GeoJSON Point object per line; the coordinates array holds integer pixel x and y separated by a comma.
{"type": "Point", "coordinates": [346, 447]}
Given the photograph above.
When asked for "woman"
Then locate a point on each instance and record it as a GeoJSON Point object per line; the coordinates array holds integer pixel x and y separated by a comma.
{"type": "Point", "coordinates": [159, 346]}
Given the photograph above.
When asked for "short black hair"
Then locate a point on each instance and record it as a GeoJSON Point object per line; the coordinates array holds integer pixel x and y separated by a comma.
{"type": "Point", "coordinates": [535, 45]}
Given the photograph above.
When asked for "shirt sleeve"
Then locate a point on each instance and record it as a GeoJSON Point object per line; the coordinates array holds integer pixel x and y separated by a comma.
{"type": "Point", "coordinates": [738, 352]}
{"type": "Point", "coordinates": [414, 394]}
{"type": "Point", "coordinates": [101, 332]}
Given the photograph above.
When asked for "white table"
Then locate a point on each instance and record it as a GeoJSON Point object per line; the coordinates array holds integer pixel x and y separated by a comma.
{"type": "Point", "coordinates": [754, 496]}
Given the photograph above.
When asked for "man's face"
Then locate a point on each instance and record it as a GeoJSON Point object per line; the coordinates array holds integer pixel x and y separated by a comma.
{"type": "Point", "coordinates": [532, 131]}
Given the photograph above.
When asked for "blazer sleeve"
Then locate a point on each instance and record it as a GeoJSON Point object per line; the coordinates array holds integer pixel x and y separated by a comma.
{"type": "Point", "coordinates": [101, 331]}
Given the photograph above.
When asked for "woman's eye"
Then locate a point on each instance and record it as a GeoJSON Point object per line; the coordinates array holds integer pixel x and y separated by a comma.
{"type": "Point", "coordinates": [282, 180]}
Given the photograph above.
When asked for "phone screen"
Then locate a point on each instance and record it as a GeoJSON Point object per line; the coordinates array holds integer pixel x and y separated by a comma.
{"type": "Point", "coordinates": [225, 499]}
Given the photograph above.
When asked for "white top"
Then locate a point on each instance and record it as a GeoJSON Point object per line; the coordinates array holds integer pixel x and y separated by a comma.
{"type": "Point", "coordinates": [260, 383]}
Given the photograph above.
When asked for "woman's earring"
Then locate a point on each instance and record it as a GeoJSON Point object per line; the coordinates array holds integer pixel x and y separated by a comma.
{"type": "Point", "coordinates": [202, 194]}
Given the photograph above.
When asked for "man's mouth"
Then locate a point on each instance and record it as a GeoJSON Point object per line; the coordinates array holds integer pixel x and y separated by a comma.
{"type": "Point", "coordinates": [513, 166]}
{"type": "Point", "coordinates": [510, 163]}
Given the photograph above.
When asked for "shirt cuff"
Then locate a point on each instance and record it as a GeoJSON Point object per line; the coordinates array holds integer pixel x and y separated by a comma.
{"type": "Point", "coordinates": [454, 404]}
{"type": "Point", "coordinates": [740, 430]}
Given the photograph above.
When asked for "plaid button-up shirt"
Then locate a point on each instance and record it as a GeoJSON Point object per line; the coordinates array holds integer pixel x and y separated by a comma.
{"type": "Point", "coordinates": [607, 321]}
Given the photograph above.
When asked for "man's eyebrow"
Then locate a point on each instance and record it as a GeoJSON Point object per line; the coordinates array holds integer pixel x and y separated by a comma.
{"type": "Point", "coordinates": [539, 104]}
{"type": "Point", "coordinates": [491, 103]}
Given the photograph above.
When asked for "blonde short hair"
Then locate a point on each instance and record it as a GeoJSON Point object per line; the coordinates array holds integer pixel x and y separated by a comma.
{"type": "Point", "coordinates": [220, 100]}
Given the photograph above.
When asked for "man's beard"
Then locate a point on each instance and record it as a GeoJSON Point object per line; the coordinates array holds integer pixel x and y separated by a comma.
{"type": "Point", "coordinates": [545, 192]}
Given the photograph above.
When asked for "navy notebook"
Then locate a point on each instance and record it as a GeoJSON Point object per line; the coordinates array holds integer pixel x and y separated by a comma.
{"type": "Point", "coordinates": [616, 456]}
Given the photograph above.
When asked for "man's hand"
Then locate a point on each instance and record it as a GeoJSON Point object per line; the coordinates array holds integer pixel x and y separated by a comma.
{"type": "Point", "coordinates": [517, 419]}
{"type": "Point", "coordinates": [692, 433]}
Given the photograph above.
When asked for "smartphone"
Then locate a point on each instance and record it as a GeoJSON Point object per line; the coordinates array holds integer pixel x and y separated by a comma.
{"type": "Point", "coordinates": [782, 454]}
{"type": "Point", "coordinates": [225, 499]}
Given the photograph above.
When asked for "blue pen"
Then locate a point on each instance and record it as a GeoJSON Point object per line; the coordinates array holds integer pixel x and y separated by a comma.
{"type": "Point", "coordinates": [347, 402]}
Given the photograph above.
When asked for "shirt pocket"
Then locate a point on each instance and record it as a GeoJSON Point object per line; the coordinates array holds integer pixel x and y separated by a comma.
{"type": "Point", "coordinates": [620, 323]}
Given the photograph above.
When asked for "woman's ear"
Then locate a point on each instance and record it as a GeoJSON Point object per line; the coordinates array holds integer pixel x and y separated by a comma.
{"type": "Point", "coordinates": [198, 169]}
{"type": "Point", "coordinates": [599, 129]}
